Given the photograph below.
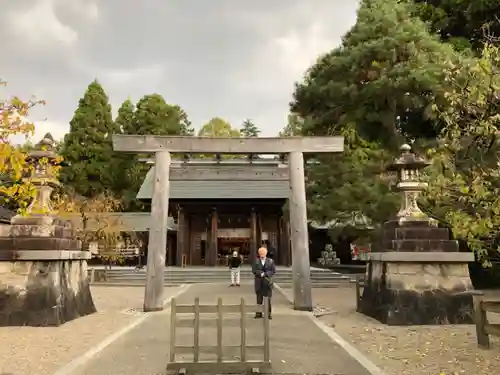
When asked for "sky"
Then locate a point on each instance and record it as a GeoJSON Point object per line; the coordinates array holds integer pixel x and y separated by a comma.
{"type": "Point", "coordinates": [234, 59]}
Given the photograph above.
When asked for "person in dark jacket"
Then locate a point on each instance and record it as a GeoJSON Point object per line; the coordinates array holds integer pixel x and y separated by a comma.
{"type": "Point", "coordinates": [234, 266]}
{"type": "Point", "coordinates": [263, 270]}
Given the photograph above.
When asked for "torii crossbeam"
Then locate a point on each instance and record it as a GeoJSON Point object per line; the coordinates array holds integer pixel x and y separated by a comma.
{"type": "Point", "coordinates": [163, 146]}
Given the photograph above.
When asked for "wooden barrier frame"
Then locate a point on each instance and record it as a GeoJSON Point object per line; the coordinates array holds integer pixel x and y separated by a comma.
{"type": "Point", "coordinates": [483, 327]}
{"type": "Point", "coordinates": [220, 365]}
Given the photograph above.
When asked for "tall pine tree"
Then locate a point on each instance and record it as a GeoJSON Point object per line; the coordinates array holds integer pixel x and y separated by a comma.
{"type": "Point", "coordinates": [125, 119]}
{"type": "Point", "coordinates": [377, 90]}
{"type": "Point", "coordinates": [88, 149]}
{"type": "Point", "coordinates": [249, 129]}
{"type": "Point", "coordinates": [152, 115]}
{"type": "Point", "coordinates": [155, 116]}
{"type": "Point", "coordinates": [125, 183]}
{"type": "Point", "coordinates": [383, 79]}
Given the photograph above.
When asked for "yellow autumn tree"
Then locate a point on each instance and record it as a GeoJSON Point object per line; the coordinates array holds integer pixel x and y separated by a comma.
{"type": "Point", "coordinates": [16, 191]}
{"type": "Point", "coordinates": [218, 128]}
{"type": "Point", "coordinates": [95, 221]}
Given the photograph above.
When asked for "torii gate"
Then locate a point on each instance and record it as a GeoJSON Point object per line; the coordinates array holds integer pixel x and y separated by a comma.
{"type": "Point", "coordinates": [163, 146]}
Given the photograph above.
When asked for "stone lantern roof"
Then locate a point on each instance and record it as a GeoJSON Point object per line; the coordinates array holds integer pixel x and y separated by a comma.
{"type": "Point", "coordinates": [408, 160]}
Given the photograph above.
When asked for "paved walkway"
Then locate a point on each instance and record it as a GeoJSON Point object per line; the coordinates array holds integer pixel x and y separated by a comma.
{"type": "Point", "coordinates": [298, 345]}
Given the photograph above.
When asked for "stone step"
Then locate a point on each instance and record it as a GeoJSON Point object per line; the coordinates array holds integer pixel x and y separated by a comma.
{"type": "Point", "coordinates": [191, 281]}
{"type": "Point", "coordinates": [190, 274]}
{"type": "Point", "coordinates": [176, 276]}
{"type": "Point", "coordinates": [141, 277]}
{"type": "Point", "coordinates": [286, 285]}
{"type": "Point", "coordinates": [224, 274]}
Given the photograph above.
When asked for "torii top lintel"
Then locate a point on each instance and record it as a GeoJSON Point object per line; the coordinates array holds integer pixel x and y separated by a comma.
{"type": "Point", "coordinates": [223, 145]}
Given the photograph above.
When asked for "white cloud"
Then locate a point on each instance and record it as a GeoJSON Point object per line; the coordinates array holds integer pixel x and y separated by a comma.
{"type": "Point", "coordinates": [295, 52]}
{"type": "Point", "coordinates": [283, 59]}
{"type": "Point", "coordinates": [56, 129]}
{"type": "Point", "coordinates": [40, 24]}
{"type": "Point", "coordinates": [125, 77]}
{"type": "Point", "coordinates": [238, 61]}
{"type": "Point", "coordinates": [84, 8]}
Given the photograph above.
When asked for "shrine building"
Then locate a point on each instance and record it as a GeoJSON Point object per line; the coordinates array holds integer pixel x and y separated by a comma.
{"type": "Point", "coordinates": [227, 205]}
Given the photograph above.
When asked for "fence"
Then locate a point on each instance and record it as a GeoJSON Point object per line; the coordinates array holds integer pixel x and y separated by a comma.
{"type": "Point", "coordinates": [221, 364]}
{"type": "Point", "coordinates": [482, 306]}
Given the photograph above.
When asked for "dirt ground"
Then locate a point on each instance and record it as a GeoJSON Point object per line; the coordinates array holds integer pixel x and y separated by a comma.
{"type": "Point", "coordinates": [29, 350]}
{"type": "Point", "coordinates": [422, 350]}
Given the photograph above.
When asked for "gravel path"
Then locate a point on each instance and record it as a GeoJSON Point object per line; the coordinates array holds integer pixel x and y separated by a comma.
{"type": "Point", "coordinates": [29, 350]}
{"type": "Point", "coordinates": [422, 350]}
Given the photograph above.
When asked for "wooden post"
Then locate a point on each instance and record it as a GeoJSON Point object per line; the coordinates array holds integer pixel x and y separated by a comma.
{"type": "Point", "coordinates": [285, 241]}
{"type": "Point", "coordinates": [181, 226]}
{"type": "Point", "coordinates": [259, 230]}
{"type": "Point", "coordinates": [170, 251]}
{"type": "Point", "coordinates": [300, 242]}
{"type": "Point", "coordinates": [480, 320]}
{"type": "Point", "coordinates": [173, 322]}
{"type": "Point", "coordinates": [280, 249]}
{"type": "Point", "coordinates": [196, 338]}
{"type": "Point", "coordinates": [253, 237]}
{"type": "Point", "coordinates": [219, 330]}
{"type": "Point", "coordinates": [266, 330]}
{"type": "Point", "coordinates": [243, 335]}
{"type": "Point", "coordinates": [153, 296]}
{"type": "Point", "coordinates": [213, 238]}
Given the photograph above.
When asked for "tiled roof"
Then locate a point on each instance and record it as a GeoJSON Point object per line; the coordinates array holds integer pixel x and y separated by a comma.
{"type": "Point", "coordinates": [218, 189]}
{"type": "Point", "coordinates": [127, 221]}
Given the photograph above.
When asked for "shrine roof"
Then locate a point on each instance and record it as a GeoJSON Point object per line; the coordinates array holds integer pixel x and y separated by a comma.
{"type": "Point", "coordinates": [218, 188]}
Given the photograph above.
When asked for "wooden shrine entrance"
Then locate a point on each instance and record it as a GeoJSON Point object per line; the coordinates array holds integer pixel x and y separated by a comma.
{"type": "Point", "coordinates": [210, 230]}
{"type": "Point", "coordinates": [163, 146]}
{"type": "Point", "coordinates": [227, 245]}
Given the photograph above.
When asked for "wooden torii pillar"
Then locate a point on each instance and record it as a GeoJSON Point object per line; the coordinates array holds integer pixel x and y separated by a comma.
{"type": "Point", "coordinates": [163, 146]}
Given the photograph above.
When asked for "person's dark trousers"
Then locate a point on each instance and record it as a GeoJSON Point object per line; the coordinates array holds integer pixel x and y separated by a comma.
{"type": "Point", "coordinates": [260, 301]}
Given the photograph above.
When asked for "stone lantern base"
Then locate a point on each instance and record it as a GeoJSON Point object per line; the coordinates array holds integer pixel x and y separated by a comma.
{"type": "Point", "coordinates": [419, 278]}
{"type": "Point", "coordinates": [43, 274]}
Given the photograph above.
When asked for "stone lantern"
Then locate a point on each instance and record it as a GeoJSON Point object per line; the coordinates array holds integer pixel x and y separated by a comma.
{"type": "Point", "coordinates": [416, 275]}
{"type": "Point", "coordinates": [43, 279]}
{"type": "Point", "coordinates": [408, 167]}
{"type": "Point", "coordinates": [43, 160]}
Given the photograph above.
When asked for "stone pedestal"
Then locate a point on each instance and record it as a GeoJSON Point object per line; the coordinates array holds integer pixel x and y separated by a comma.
{"type": "Point", "coordinates": [418, 278]}
{"type": "Point", "coordinates": [43, 274]}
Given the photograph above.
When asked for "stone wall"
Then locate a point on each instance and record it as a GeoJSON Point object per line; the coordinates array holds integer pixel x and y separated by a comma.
{"type": "Point", "coordinates": [44, 293]}
{"type": "Point", "coordinates": [421, 277]}
{"type": "Point", "coordinates": [404, 293]}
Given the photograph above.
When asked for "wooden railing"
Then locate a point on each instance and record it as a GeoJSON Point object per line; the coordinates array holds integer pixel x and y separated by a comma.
{"type": "Point", "coordinates": [482, 306]}
{"type": "Point", "coordinates": [220, 365]}
{"type": "Point", "coordinates": [124, 252]}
